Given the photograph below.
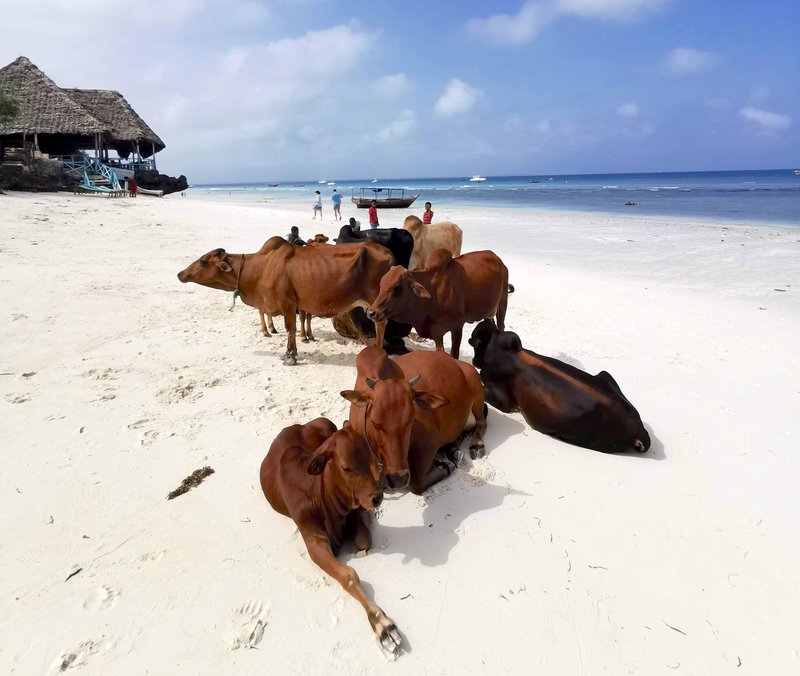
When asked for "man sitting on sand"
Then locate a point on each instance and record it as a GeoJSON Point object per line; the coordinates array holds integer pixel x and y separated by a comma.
{"type": "Point", "coordinates": [294, 237]}
{"type": "Point", "coordinates": [355, 225]}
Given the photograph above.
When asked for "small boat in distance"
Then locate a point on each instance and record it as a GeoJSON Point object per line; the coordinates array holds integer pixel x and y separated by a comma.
{"type": "Point", "coordinates": [797, 171]}
{"type": "Point", "coordinates": [375, 180]}
{"type": "Point", "coordinates": [477, 179]}
{"type": "Point", "coordinates": [272, 185]}
{"type": "Point", "coordinates": [331, 182]}
{"type": "Point", "coordinates": [387, 198]}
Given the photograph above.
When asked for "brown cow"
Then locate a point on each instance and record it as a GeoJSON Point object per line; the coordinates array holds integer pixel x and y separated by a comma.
{"type": "Point", "coordinates": [556, 398]}
{"type": "Point", "coordinates": [282, 278]}
{"type": "Point", "coordinates": [412, 407]}
{"type": "Point", "coordinates": [429, 238]}
{"type": "Point", "coordinates": [445, 295]}
{"type": "Point", "coordinates": [325, 481]}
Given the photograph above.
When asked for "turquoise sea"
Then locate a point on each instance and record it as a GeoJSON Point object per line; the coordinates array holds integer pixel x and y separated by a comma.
{"type": "Point", "coordinates": [759, 196]}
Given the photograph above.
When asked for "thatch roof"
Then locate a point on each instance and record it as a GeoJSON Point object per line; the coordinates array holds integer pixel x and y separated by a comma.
{"type": "Point", "coordinates": [115, 112]}
{"type": "Point", "coordinates": [46, 108]}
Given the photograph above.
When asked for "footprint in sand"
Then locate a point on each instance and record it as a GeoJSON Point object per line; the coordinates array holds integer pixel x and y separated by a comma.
{"type": "Point", "coordinates": [79, 656]}
{"type": "Point", "coordinates": [102, 598]}
{"type": "Point", "coordinates": [249, 622]}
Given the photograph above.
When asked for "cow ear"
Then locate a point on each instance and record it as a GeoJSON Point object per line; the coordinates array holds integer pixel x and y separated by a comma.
{"type": "Point", "coordinates": [318, 461]}
{"type": "Point", "coordinates": [419, 290]}
{"type": "Point", "coordinates": [222, 265]}
{"type": "Point", "coordinates": [430, 401]}
{"type": "Point", "coordinates": [355, 397]}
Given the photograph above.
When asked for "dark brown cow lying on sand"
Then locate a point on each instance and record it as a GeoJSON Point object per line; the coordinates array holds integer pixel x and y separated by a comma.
{"type": "Point", "coordinates": [445, 295]}
{"type": "Point", "coordinates": [556, 398]}
{"type": "Point", "coordinates": [325, 481]}
{"type": "Point", "coordinates": [412, 407]}
{"type": "Point", "coordinates": [282, 278]}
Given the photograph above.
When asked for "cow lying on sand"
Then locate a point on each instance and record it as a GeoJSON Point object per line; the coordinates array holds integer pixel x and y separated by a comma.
{"type": "Point", "coordinates": [282, 278]}
{"type": "Point", "coordinates": [555, 398]}
{"type": "Point", "coordinates": [325, 481]}
{"type": "Point", "coordinates": [412, 407]}
{"type": "Point", "coordinates": [428, 238]}
{"type": "Point", "coordinates": [445, 295]}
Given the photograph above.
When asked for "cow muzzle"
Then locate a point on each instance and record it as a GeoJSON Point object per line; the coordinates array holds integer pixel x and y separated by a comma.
{"type": "Point", "coordinates": [183, 277]}
{"type": "Point", "coordinates": [377, 500]}
{"type": "Point", "coordinates": [372, 314]}
{"type": "Point", "coordinates": [398, 480]}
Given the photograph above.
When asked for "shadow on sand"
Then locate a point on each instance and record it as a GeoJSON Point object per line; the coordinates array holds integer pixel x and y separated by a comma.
{"type": "Point", "coordinates": [448, 506]}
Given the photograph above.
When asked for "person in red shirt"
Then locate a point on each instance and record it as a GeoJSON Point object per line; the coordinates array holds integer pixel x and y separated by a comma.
{"type": "Point", "coordinates": [373, 215]}
{"type": "Point", "coordinates": [427, 217]}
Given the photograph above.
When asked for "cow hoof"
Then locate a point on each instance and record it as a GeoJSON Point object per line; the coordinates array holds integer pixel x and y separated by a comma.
{"type": "Point", "coordinates": [388, 636]}
{"type": "Point", "coordinates": [273, 330]}
{"type": "Point", "coordinates": [476, 452]}
{"type": "Point", "coordinates": [290, 360]}
{"type": "Point", "coordinates": [447, 464]}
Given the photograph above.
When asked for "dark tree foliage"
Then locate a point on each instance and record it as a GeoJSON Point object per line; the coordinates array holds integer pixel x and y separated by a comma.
{"type": "Point", "coordinates": [9, 108]}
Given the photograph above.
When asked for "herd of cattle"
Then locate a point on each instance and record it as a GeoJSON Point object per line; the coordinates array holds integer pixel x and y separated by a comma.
{"type": "Point", "coordinates": [408, 415]}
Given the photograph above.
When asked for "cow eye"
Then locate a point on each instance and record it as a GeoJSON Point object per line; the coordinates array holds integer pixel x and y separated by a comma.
{"type": "Point", "coordinates": [204, 263]}
{"type": "Point", "coordinates": [396, 291]}
{"type": "Point", "coordinates": [348, 470]}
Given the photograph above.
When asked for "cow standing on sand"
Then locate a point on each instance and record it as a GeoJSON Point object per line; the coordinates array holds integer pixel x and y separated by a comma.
{"type": "Point", "coordinates": [445, 295]}
{"type": "Point", "coordinates": [411, 408]}
{"type": "Point", "coordinates": [326, 481]}
{"type": "Point", "coordinates": [555, 398]}
{"type": "Point", "coordinates": [282, 278]}
{"type": "Point", "coordinates": [429, 238]}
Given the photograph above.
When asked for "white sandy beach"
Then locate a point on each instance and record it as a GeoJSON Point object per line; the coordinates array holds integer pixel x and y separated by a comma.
{"type": "Point", "coordinates": [117, 381]}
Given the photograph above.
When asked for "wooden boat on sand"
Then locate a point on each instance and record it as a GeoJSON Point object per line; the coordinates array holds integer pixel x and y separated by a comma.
{"type": "Point", "coordinates": [386, 198]}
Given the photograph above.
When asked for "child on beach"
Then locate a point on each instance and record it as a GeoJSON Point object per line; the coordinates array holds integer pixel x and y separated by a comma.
{"type": "Point", "coordinates": [427, 217]}
{"type": "Point", "coordinates": [336, 198]}
{"type": "Point", "coordinates": [373, 214]}
{"type": "Point", "coordinates": [318, 206]}
{"type": "Point", "coordinates": [294, 237]}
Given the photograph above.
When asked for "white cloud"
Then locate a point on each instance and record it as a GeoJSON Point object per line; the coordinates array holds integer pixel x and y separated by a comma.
{"type": "Point", "coordinates": [458, 98]}
{"type": "Point", "coordinates": [766, 120]}
{"type": "Point", "coordinates": [394, 86]}
{"type": "Point", "coordinates": [628, 110]}
{"type": "Point", "coordinates": [535, 15]}
{"type": "Point", "coordinates": [609, 9]}
{"type": "Point", "coordinates": [688, 61]}
{"type": "Point", "coordinates": [514, 29]}
{"type": "Point", "coordinates": [400, 128]}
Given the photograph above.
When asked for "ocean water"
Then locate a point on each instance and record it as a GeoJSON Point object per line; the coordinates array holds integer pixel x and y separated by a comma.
{"type": "Point", "coordinates": [762, 196]}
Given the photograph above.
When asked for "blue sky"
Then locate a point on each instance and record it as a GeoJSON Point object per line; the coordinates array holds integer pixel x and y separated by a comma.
{"type": "Point", "coordinates": [297, 89]}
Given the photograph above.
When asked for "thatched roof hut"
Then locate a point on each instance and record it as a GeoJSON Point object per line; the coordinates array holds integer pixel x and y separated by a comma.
{"type": "Point", "coordinates": [61, 121]}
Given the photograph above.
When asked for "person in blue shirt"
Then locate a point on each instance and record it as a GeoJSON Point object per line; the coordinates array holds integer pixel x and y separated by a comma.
{"type": "Point", "coordinates": [336, 198]}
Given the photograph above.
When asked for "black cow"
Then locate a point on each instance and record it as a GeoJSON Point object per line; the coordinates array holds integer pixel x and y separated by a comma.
{"type": "Point", "coordinates": [399, 242]}
{"type": "Point", "coordinates": [555, 398]}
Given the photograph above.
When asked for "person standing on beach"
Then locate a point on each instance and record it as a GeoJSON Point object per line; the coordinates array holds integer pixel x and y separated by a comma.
{"type": "Point", "coordinates": [132, 187]}
{"type": "Point", "coordinates": [336, 198]}
{"type": "Point", "coordinates": [427, 217]}
{"type": "Point", "coordinates": [318, 206]}
{"type": "Point", "coordinates": [373, 215]}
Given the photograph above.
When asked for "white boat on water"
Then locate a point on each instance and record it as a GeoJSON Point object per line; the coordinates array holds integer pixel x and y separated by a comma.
{"type": "Point", "coordinates": [375, 180]}
{"type": "Point", "coordinates": [331, 182]}
{"type": "Point", "coordinates": [477, 179]}
{"type": "Point", "coordinates": [323, 181]}
{"type": "Point", "coordinates": [797, 171]}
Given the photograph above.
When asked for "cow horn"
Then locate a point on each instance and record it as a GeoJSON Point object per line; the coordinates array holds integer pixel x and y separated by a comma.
{"type": "Point", "coordinates": [414, 380]}
{"type": "Point", "coordinates": [370, 383]}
